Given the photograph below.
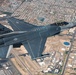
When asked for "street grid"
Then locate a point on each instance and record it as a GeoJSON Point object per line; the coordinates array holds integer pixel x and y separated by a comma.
{"type": "Point", "coordinates": [43, 12]}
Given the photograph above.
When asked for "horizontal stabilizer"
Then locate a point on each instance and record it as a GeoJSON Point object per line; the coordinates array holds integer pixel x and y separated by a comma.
{"type": "Point", "coordinates": [4, 51]}
{"type": "Point", "coordinates": [4, 29]}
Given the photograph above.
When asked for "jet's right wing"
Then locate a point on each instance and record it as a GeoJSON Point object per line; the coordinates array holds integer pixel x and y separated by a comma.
{"type": "Point", "coordinates": [35, 47]}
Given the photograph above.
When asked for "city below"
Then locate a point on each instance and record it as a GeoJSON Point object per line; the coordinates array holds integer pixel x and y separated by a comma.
{"type": "Point", "coordinates": [59, 51]}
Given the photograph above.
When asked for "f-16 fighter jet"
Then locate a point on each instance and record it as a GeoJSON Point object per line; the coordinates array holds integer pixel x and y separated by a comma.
{"type": "Point", "coordinates": [33, 37]}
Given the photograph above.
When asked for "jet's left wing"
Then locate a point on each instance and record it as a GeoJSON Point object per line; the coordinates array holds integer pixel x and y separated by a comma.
{"type": "Point", "coordinates": [20, 25]}
{"type": "Point", "coordinates": [4, 51]}
{"type": "Point", "coordinates": [35, 47]}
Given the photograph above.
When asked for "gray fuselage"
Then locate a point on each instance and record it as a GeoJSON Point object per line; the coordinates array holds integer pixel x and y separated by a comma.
{"type": "Point", "coordinates": [19, 36]}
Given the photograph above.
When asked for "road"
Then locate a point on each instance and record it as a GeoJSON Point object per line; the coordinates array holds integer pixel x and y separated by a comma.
{"type": "Point", "coordinates": [21, 62]}
{"type": "Point", "coordinates": [7, 68]}
{"type": "Point", "coordinates": [72, 40]}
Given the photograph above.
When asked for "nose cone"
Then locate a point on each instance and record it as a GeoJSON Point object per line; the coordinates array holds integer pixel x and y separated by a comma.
{"type": "Point", "coordinates": [68, 26]}
{"type": "Point", "coordinates": [71, 24]}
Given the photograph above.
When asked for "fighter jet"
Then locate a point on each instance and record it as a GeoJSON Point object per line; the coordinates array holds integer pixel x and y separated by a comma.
{"type": "Point", "coordinates": [33, 37]}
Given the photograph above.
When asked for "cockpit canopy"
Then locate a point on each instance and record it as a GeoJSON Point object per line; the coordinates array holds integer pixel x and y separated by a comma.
{"type": "Point", "coordinates": [60, 23]}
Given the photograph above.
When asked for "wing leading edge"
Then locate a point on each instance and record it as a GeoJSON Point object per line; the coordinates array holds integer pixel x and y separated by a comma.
{"type": "Point", "coordinates": [35, 47]}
